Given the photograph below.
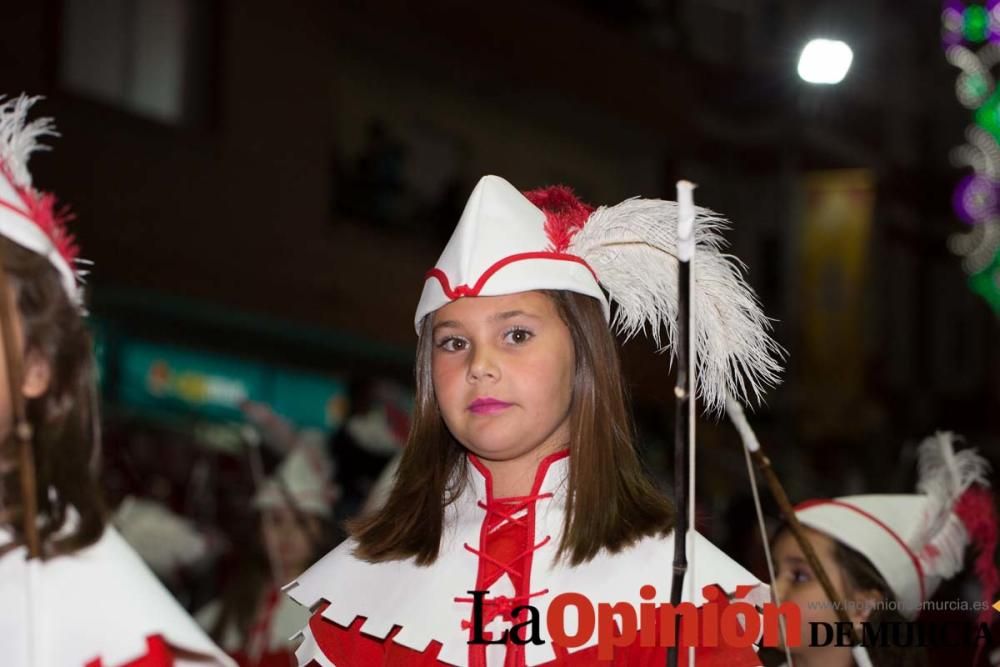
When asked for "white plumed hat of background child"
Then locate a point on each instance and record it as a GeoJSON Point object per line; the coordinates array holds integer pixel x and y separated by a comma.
{"type": "Point", "coordinates": [508, 242]}
{"type": "Point", "coordinates": [303, 479]}
{"type": "Point", "coordinates": [28, 217]}
{"type": "Point", "coordinates": [917, 541]}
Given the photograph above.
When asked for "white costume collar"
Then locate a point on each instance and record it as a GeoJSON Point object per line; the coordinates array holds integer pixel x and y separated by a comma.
{"type": "Point", "coordinates": [100, 602]}
{"type": "Point", "coordinates": [421, 600]}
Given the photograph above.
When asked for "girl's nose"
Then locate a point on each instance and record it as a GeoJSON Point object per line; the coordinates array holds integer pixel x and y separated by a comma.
{"type": "Point", "coordinates": [483, 365]}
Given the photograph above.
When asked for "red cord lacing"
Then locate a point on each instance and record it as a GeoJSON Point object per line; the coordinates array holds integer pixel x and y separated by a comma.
{"type": "Point", "coordinates": [503, 605]}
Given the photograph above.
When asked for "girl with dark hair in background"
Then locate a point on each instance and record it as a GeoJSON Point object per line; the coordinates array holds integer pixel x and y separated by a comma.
{"type": "Point", "coordinates": [252, 620]}
{"type": "Point", "coordinates": [887, 554]}
{"type": "Point", "coordinates": [72, 592]}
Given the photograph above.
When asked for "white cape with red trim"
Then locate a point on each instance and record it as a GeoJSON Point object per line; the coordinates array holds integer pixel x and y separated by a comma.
{"type": "Point", "coordinates": [101, 602]}
{"type": "Point", "coordinates": [421, 600]}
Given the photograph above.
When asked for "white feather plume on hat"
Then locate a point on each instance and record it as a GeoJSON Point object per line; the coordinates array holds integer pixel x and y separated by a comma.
{"type": "Point", "coordinates": [19, 138]}
{"type": "Point", "coordinates": [631, 247]}
{"type": "Point", "coordinates": [944, 475]}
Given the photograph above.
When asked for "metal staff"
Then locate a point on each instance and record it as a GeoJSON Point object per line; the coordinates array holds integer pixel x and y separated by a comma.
{"type": "Point", "coordinates": [684, 412]}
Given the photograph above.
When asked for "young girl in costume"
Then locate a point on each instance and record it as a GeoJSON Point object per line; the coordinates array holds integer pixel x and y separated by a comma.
{"type": "Point", "coordinates": [520, 477]}
{"type": "Point", "coordinates": [887, 554]}
{"type": "Point", "coordinates": [253, 621]}
{"type": "Point", "coordinates": [72, 593]}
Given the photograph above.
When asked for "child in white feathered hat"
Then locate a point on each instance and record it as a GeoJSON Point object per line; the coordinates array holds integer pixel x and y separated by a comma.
{"type": "Point", "coordinates": [72, 592]}
{"type": "Point", "coordinates": [887, 555]}
{"type": "Point", "coordinates": [520, 476]}
{"type": "Point", "coordinates": [294, 506]}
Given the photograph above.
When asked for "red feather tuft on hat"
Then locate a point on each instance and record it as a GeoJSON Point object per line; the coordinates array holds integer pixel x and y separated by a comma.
{"type": "Point", "coordinates": [565, 214]}
{"type": "Point", "coordinates": [52, 221]}
{"type": "Point", "coordinates": [976, 510]}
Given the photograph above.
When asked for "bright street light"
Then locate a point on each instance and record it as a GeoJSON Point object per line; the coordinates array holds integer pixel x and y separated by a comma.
{"type": "Point", "coordinates": [825, 61]}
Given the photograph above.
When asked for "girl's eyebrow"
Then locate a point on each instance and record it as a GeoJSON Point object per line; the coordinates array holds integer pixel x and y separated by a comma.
{"type": "Point", "coordinates": [498, 317]}
{"type": "Point", "coordinates": [509, 314]}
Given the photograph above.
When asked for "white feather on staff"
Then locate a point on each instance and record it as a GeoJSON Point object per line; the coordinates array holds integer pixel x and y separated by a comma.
{"type": "Point", "coordinates": [631, 247]}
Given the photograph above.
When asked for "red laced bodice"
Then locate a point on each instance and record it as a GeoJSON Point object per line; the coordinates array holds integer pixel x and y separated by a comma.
{"type": "Point", "coordinates": [506, 545]}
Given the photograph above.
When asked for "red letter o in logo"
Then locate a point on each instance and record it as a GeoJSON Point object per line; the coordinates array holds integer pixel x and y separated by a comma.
{"type": "Point", "coordinates": [555, 617]}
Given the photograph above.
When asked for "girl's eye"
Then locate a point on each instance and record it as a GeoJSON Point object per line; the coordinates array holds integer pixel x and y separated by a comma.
{"type": "Point", "coordinates": [800, 576]}
{"type": "Point", "coordinates": [518, 336]}
{"type": "Point", "coordinates": [452, 344]}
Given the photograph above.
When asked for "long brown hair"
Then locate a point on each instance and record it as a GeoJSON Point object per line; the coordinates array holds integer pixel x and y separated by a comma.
{"type": "Point", "coordinates": [861, 575]}
{"type": "Point", "coordinates": [611, 502]}
{"type": "Point", "coordinates": [63, 418]}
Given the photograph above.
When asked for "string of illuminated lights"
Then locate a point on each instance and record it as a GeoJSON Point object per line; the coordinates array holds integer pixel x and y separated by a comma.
{"type": "Point", "coordinates": [971, 40]}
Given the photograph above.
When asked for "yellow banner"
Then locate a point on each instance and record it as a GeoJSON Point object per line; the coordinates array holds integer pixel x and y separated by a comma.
{"type": "Point", "coordinates": [832, 268]}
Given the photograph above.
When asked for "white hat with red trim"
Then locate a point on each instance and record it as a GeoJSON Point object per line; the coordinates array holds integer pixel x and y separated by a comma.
{"type": "Point", "coordinates": [303, 479]}
{"type": "Point", "coordinates": [503, 245]}
{"type": "Point", "coordinates": [917, 541]}
{"type": "Point", "coordinates": [547, 239]}
{"type": "Point", "coordinates": [28, 217]}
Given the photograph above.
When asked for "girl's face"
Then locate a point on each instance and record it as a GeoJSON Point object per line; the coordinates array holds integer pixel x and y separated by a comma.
{"type": "Point", "coordinates": [503, 369]}
{"type": "Point", "coordinates": [796, 582]}
{"type": "Point", "coordinates": [288, 545]}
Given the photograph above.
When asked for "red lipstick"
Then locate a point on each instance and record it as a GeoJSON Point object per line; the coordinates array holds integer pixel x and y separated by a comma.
{"type": "Point", "coordinates": [487, 406]}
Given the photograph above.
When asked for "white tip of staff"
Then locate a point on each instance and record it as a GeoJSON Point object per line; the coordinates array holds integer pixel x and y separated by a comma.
{"type": "Point", "coordinates": [861, 656]}
{"type": "Point", "coordinates": [685, 220]}
{"type": "Point", "coordinates": [739, 419]}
